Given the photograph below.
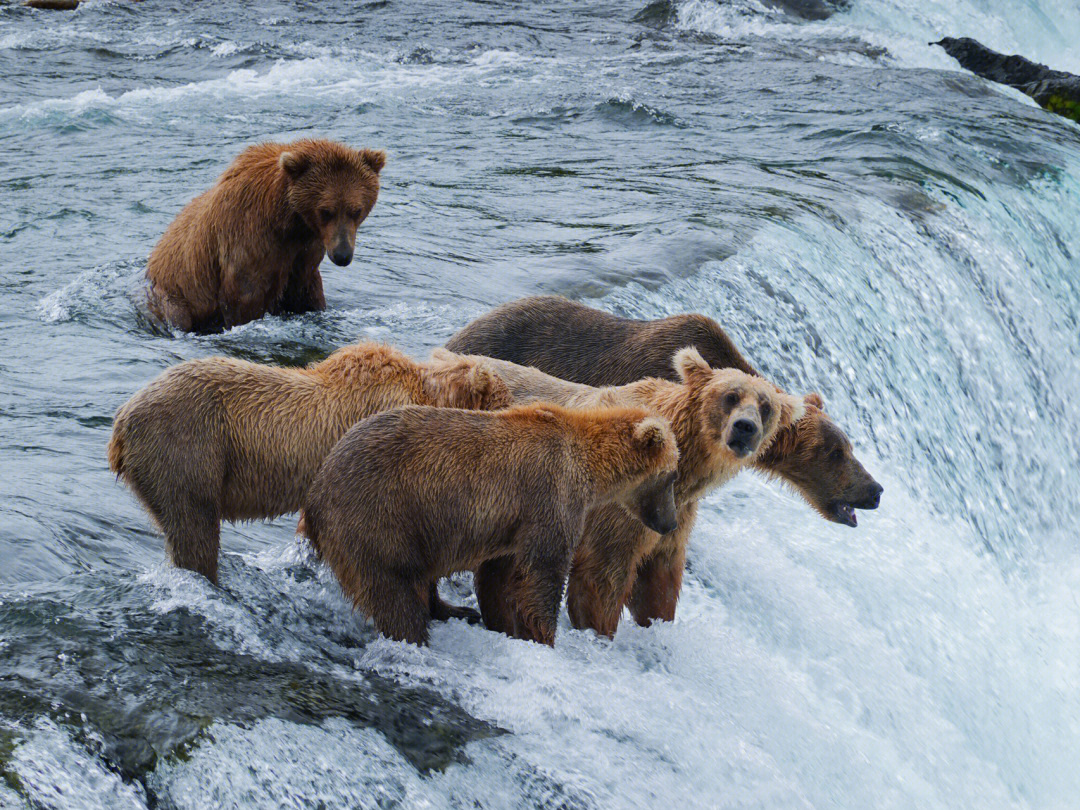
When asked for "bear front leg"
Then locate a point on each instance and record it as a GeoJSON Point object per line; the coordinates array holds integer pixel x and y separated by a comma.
{"type": "Point", "coordinates": [304, 289]}
{"type": "Point", "coordinates": [656, 589]}
{"type": "Point", "coordinates": [494, 582]}
{"type": "Point", "coordinates": [240, 299]}
{"type": "Point", "coordinates": [593, 603]}
{"type": "Point", "coordinates": [543, 564]}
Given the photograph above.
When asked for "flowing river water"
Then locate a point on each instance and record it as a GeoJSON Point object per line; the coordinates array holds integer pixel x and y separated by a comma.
{"type": "Point", "coordinates": [867, 221]}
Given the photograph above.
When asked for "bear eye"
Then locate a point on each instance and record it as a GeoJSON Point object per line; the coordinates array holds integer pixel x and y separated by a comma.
{"type": "Point", "coordinates": [325, 215]}
{"type": "Point", "coordinates": [731, 400]}
{"type": "Point", "coordinates": [766, 411]}
{"type": "Point", "coordinates": [355, 213]}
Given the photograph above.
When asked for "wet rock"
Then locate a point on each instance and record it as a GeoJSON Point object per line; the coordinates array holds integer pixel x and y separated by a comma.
{"type": "Point", "coordinates": [662, 13]}
{"type": "Point", "coordinates": [53, 5]}
{"type": "Point", "coordinates": [134, 685]}
{"type": "Point", "coordinates": [657, 14]}
{"type": "Point", "coordinates": [809, 9]}
{"type": "Point", "coordinates": [1055, 90]}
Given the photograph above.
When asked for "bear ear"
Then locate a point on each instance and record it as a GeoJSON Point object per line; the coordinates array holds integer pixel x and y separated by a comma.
{"type": "Point", "coordinates": [374, 158]}
{"type": "Point", "coordinates": [293, 164]}
{"type": "Point", "coordinates": [441, 355]}
{"type": "Point", "coordinates": [545, 411]}
{"type": "Point", "coordinates": [815, 399]}
{"type": "Point", "coordinates": [691, 365]}
{"type": "Point", "coordinates": [489, 387]}
{"type": "Point", "coordinates": [792, 409]}
{"type": "Point", "coordinates": [651, 433]}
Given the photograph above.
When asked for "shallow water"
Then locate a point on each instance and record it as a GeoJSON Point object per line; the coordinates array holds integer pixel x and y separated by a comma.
{"type": "Point", "coordinates": [866, 219]}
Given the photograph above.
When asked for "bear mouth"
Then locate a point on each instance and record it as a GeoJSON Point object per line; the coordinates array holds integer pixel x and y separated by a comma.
{"type": "Point", "coordinates": [844, 513]}
{"type": "Point", "coordinates": [740, 449]}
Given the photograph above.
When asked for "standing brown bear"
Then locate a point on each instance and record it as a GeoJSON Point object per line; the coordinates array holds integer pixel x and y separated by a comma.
{"type": "Point", "coordinates": [252, 243]}
{"type": "Point", "coordinates": [222, 439]}
{"type": "Point", "coordinates": [723, 420]}
{"type": "Point", "coordinates": [415, 494]}
{"type": "Point", "coordinates": [584, 345]}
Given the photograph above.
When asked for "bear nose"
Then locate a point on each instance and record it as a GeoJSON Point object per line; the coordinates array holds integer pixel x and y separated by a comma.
{"type": "Point", "coordinates": [874, 498]}
{"type": "Point", "coordinates": [743, 428]}
{"type": "Point", "coordinates": [341, 257]}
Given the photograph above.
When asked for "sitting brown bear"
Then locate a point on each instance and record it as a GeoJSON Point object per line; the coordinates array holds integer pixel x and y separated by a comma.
{"type": "Point", "coordinates": [415, 494]}
{"type": "Point", "coordinates": [252, 243]}
{"type": "Point", "coordinates": [723, 420]}
{"type": "Point", "coordinates": [222, 439]}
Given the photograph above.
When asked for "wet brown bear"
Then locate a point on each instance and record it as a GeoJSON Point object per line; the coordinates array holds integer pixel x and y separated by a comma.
{"type": "Point", "coordinates": [252, 243]}
{"type": "Point", "coordinates": [722, 419]}
{"type": "Point", "coordinates": [415, 494]}
{"type": "Point", "coordinates": [222, 439]}
{"type": "Point", "coordinates": [585, 345]}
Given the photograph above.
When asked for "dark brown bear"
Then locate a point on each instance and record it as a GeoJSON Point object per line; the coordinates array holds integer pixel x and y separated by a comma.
{"type": "Point", "coordinates": [414, 494]}
{"type": "Point", "coordinates": [252, 243]}
{"type": "Point", "coordinates": [585, 345]}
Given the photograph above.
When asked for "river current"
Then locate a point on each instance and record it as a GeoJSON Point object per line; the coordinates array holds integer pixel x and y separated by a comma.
{"type": "Point", "coordinates": [866, 219]}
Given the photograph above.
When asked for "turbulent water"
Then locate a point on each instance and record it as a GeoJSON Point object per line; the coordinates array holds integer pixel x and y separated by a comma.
{"type": "Point", "coordinates": [867, 220]}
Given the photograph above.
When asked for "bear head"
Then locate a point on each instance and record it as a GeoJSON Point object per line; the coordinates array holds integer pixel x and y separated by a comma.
{"type": "Point", "coordinates": [738, 413]}
{"type": "Point", "coordinates": [651, 499]}
{"type": "Point", "coordinates": [815, 457]}
{"type": "Point", "coordinates": [332, 189]}
{"type": "Point", "coordinates": [459, 381]}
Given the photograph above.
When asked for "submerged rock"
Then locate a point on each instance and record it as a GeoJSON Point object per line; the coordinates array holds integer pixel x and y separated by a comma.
{"type": "Point", "coordinates": [1055, 90]}
{"type": "Point", "coordinates": [810, 9]}
{"type": "Point", "coordinates": [661, 13]}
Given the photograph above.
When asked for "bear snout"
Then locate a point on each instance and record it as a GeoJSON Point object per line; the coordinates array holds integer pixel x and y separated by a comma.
{"type": "Point", "coordinates": [743, 437]}
{"type": "Point", "coordinates": [872, 498]}
{"type": "Point", "coordinates": [341, 255]}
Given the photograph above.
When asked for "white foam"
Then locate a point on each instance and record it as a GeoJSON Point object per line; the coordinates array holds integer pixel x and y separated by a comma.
{"type": "Point", "coordinates": [275, 763]}
{"type": "Point", "coordinates": [55, 772]}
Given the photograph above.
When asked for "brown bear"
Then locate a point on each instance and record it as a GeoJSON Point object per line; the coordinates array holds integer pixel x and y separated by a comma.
{"type": "Point", "coordinates": [222, 439]}
{"type": "Point", "coordinates": [417, 493]}
{"type": "Point", "coordinates": [252, 243]}
{"type": "Point", "coordinates": [585, 345]}
{"type": "Point", "coordinates": [723, 420]}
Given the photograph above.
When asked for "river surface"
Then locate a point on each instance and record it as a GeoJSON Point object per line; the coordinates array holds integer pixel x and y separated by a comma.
{"type": "Point", "coordinates": [866, 219]}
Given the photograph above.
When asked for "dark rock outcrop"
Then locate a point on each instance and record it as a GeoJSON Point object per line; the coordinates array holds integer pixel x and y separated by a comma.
{"type": "Point", "coordinates": [809, 9]}
{"type": "Point", "coordinates": [1055, 90]}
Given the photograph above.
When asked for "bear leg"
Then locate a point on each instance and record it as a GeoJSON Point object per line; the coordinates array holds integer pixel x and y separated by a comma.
{"type": "Point", "coordinates": [398, 606]}
{"type": "Point", "coordinates": [540, 581]}
{"type": "Point", "coordinates": [494, 582]}
{"type": "Point", "coordinates": [191, 524]}
{"type": "Point", "coordinates": [656, 590]}
{"type": "Point", "coordinates": [442, 611]}
{"type": "Point", "coordinates": [593, 603]}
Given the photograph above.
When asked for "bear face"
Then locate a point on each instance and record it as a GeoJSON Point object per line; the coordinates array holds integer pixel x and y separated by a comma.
{"type": "Point", "coordinates": [649, 495]}
{"type": "Point", "coordinates": [332, 189]}
{"type": "Point", "coordinates": [815, 457]}
{"type": "Point", "coordinates": [739, 413]}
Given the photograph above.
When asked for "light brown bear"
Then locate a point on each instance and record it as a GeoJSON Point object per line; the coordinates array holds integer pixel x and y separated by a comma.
{"type": "Point", "coordinates": [252, 243]}
{"type": "Point", "coordinates": [723, 420]}
{"type": "Point", "coordinates": [415, 494]}
{"type": "Point", "coordinates": [222, 439]}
